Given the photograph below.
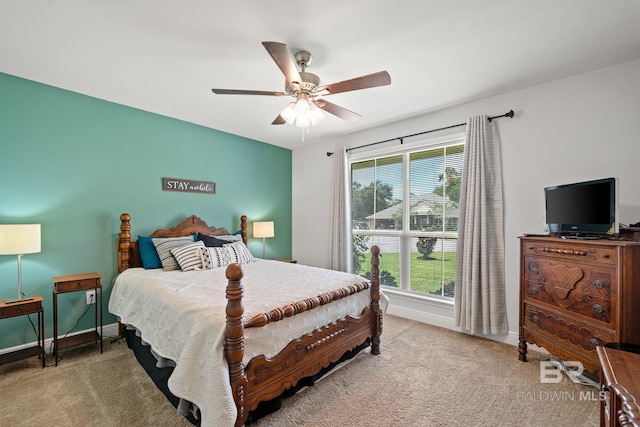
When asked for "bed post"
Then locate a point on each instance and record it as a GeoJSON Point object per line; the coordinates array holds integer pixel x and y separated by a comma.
{"type": "Point", "coordinates": [243, 228]}
{"type": "Point", "coordinates": [375, 300]}
{"type": "Point", "coordinates": [124, 242]}
{"type": "Point", "coordinates": [234, 340]}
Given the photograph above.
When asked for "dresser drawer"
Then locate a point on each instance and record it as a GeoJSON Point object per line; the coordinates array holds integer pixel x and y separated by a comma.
{"type": "Point", "coordinates": [570, 286]}
{"type": "Point", "coordinates": [561, 250]}
{"type": "Point", "coordinates": [580, 336]}
{"type": "Point", "coordinates": [77, 285]}
{"type": "Point", "coordinates": [20, 309]}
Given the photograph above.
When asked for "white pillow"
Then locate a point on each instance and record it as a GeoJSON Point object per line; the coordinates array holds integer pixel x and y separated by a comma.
{"type": "Point", "coordinates": [188, 256]}
{"type": "Point", "coordinates": [240, 251]}
{"type": "Point", "coordinates": [225, 255]}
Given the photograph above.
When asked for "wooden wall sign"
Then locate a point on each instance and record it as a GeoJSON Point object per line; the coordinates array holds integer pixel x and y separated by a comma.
{"type": "Point", "coordinates": [188, 185]}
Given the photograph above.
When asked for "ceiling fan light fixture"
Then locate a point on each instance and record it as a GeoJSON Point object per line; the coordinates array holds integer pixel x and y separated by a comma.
{"type": "Point", "coordinates": [303, 109]}
{"type": "Point", "coordinates": [289, 113]}
{"type": "Point", "coordinates": [303, 121]}
{"type": "Point", "coordinates": [315, 114]}
{"type": "Point", "coordinates": [303, 106]}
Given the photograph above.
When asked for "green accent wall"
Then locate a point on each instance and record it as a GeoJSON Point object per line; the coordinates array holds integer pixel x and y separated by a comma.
{"type": "Point", "coordinates": [74, 163]}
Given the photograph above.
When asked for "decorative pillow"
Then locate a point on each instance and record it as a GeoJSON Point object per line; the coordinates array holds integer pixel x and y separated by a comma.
{"type": "Point", "coordinates": [225, 255]}
{"type": "Point", "coordinates": [211, 241]}
{"type": "Point", "coordinates": [148, 253]}
{"type": "Point", "coordinates": [213, 257]}
{"type": "Point", "coordinates": [165, 244]}
{"type": "Point", "coordinates": [240, 252]}
{"type": "Point", "coordinates": [188, 256]}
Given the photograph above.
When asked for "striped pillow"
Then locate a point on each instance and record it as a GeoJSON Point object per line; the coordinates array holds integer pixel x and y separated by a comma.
{"type": "Point", "coordinates": [165, 244]}
{"type": "Point", "coordinates": [188, 256]}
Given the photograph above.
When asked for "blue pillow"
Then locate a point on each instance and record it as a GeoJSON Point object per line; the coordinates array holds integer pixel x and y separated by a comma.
{"type": "Point", "coordinates": [148, 253]}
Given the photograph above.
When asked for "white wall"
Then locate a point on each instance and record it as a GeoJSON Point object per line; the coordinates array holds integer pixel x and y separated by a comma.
{"type": "Point", "coordinates": [574, 129]}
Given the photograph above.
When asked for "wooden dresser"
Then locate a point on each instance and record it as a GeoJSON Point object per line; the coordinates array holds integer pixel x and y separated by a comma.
{"type": "Point", "coordinates": [576, 295]}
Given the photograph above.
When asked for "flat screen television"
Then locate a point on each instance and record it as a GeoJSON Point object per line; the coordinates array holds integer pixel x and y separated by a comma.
{"type": "Point", "coordinates": [583, 209]}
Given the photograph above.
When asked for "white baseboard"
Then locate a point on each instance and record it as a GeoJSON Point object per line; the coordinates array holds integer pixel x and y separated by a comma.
{"type": "Point", "coordinates": [107, 331]}
{"type": "Point", "coordinates": [422, 316]}
{"type": "Point", "coordinates": [511, 338]}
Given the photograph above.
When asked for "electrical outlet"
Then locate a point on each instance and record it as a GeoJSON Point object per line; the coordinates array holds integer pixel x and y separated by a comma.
{"type": "Point", "coordinates": [91, 297]}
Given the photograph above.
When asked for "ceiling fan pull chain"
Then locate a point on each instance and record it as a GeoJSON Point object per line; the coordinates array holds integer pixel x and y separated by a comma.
{"type": "Point", "coordinates": [305, 133]}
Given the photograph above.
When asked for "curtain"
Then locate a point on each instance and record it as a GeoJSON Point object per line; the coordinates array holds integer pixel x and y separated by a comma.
{"type": "Point", "coordinates": [480, 301]}
{"type": "Point", "coordinates": [339, 225]}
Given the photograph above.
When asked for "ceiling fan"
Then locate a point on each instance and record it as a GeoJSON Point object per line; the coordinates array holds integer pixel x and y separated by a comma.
{"type": "Point", "coordinates": [307, 90]}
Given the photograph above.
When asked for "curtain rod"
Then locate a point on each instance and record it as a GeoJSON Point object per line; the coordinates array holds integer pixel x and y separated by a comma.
{"type": "Point", "coordinates": [510, 114]}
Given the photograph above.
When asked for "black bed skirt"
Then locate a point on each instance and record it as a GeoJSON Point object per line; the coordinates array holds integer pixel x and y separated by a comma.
{"type": "Point", "coordinates": [160, 377]}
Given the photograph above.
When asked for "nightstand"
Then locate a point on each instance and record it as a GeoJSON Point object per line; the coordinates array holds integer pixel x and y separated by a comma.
{"type": "Point", "coordinates": [76, 283]}
{"type": "Point", "coordinates": [22, 308]}
{"type": "Point", "coordinates": [290, 261]}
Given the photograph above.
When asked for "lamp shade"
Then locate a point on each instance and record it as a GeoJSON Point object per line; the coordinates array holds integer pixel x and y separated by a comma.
{"type": "Point", "coordinates": [289, 113]}
{"type": "Point", "coordinates": [19, 239]}
{"type": "Point", "coordinates": [263, 229]}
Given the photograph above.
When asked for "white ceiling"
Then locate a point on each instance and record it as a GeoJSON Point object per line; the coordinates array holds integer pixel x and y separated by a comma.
{"type": "Point", "coordinates": [165, 56]}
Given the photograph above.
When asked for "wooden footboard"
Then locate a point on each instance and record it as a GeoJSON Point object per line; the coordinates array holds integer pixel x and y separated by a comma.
{"type": "Point", "coordinates": [305, 305]}
{"type": "Point", "coordinates": [263, 379]}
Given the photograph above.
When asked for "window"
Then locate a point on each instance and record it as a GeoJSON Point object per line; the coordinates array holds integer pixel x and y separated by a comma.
{"type": "Point", "coordinates": [407, 203]}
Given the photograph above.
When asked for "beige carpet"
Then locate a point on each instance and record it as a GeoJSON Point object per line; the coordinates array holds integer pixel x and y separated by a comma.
{"type": "Point", "coordinates": [425, 376]}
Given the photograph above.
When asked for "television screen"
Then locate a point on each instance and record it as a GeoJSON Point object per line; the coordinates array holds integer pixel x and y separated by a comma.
{"type": "Point", "coordinates": [582, 208]}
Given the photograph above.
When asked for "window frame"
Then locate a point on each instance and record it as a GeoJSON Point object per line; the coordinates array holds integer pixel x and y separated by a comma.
{"type": "Point", "coordinates": [405, 234]}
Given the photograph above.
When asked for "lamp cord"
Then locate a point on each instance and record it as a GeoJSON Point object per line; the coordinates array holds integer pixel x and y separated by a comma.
{"type": "Point", "coordinates": [35, 330]}
{"type": "Point", "coordinates": [74, 326]}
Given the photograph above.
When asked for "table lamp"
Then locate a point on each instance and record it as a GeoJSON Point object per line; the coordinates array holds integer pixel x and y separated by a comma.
{"type": "Point", "coordinates": [263, 229]}
{"type": "Point", "coordinates": [19, 239]}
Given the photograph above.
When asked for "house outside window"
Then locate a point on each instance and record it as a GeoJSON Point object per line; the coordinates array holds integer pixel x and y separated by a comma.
{"type": "Point", "coordinates": [406, 201]}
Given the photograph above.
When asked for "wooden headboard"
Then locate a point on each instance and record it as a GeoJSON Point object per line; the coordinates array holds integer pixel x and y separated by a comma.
{"type": "Point", "coordinates": [129, 255]}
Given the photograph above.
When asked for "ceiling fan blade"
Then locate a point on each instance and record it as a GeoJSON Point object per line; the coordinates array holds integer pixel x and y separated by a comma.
{"type": "Point", "coordinates": [337, 110]}
{"type": "Point", "coordinates": [284, 61]}
{"type": "Point", "coordinates": [279, 120]}
{"type": "Point", "coordinates": [246, 92]}
{"type": "Point", "coordinates": [381, 78]}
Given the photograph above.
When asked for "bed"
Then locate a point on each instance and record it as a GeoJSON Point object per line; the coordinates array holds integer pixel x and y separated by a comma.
{"type": "Point", "coordinates": [238, 332]}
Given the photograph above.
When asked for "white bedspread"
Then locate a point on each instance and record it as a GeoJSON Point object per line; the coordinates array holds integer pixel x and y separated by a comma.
{"type": "Point", "coordinates": [182, 316]}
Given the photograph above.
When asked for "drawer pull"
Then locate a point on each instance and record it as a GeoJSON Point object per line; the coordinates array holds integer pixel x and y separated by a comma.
{"type": "Point", "coordinates": [533, 290]}
{"type": "Point", "coordinates": [535, 319]}
{"type": "Point", "coordinates": [597, 308]}
{"type": "Point", "coordinates": [594, 342]}
{"type": "Point", "coordinates": [598, 284]}
{"type": "Point", "coordinates": [80, 285]}
{"type": "Point", "coordinates": [533, 270]}
{"type": "Point", "coordinates": [564, 251]}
